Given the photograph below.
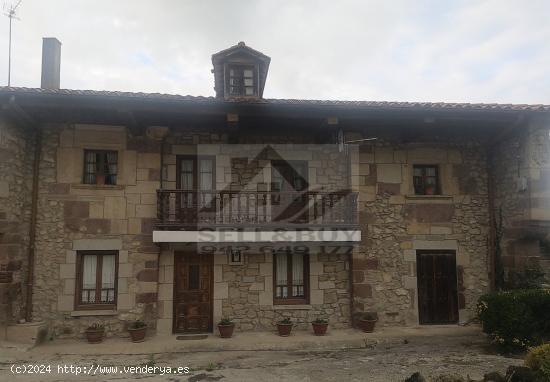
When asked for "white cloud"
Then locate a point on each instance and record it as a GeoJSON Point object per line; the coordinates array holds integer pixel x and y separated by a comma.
{"type": "Point", "coordinates": [468, 51]}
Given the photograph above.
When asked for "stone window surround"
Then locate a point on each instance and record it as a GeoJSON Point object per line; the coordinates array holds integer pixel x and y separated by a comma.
{"type": "Point", "coordinates": [67, 276]}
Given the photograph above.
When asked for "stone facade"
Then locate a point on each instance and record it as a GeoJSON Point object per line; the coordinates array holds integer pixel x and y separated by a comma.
{"type": "Point", "coordinates": [396, 224]}
{"type": "Point", "coordinates": [73, 216]}
{"type": "Point", "coordinates": [378, 275]}
{"type": "Point", "coordinates": [521, 168]}
{"type": "Point", "coordinates": [16, 158]}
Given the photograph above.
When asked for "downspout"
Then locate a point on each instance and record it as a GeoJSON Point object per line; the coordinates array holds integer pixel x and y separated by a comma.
{"type": "Point", "coordinates": [32, 228]}
{"type": "Point", "coordinates": [492, 218]}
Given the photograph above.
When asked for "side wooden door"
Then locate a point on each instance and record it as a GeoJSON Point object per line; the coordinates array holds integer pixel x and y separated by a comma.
{"type": "Point", "coordinates": [437, 287]}
{"type": "Point", "coordinates": [193, 292]}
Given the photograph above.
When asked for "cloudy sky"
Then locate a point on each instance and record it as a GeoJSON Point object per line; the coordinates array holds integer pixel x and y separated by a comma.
{"type": "Point", "coordinates": [455, 51]}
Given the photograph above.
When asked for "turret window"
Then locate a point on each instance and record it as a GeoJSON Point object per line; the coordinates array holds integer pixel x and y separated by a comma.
{"type": "Point", "coordinates": [241, 81]}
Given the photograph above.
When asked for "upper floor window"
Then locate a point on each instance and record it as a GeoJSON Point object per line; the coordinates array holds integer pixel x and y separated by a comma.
{"type": "Point", "coordinates": [426, 180]}
{"type": "Point", "coordinates": [100, 167]}
{"type": "Point", "coordinates": [96, 279]}
{"type": "Point", "coordinates": [241, 80]}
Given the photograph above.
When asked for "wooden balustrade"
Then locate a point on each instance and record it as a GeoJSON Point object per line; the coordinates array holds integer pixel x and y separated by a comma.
{"type": "Point", "coordinates": [182, 209]}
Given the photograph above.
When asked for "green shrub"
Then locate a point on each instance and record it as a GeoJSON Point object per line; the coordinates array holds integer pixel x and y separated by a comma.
{"type": "Point", "coordinates": [538, 359]}
{"type": "Point", "coordinates": [516, 320]}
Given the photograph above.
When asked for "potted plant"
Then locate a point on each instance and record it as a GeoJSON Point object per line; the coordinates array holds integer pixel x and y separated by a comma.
{"type": "Point", "coordinates": [226, 327]}
{"type": "Point", "coordinates": [284, 327]}
{"type": "Point", "coordinates": [95, 333]}
{"type": "Point", "coordinates": [100, 179]}
{"type": "Point", "coordinates": [430, 189]}
{"type": "Point", "coordinates": [137, 330]}
{"type": "Point", "coordinates": [367, 322]}
{"type": "Point", "coordinates": [320, 326]}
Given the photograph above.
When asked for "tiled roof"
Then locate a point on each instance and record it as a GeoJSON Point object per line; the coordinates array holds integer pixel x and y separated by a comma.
{"type": "Point", "coordinates": [290, 102]}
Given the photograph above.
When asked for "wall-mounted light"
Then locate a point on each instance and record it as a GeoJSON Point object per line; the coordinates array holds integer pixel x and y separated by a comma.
{"type": "Point", "coordinates": [235, 256]}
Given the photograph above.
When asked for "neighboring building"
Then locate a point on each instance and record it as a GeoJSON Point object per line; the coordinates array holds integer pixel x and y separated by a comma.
{"type": "Point", "coordinates": [181, 210]}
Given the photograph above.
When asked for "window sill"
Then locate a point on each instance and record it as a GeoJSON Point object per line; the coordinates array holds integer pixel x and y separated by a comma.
{"type": "Point", "coordinates": [83, 186]}
{"type": "Point", "coordinates": [292, 307]}
{"type": "Point", "coordinates": [443, 199]}
{"type": "Point", "coordinates": [85, 313]}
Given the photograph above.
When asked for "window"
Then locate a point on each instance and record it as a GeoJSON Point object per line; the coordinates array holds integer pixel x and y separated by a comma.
{"type": "Point", "coordinates": [241, 81]}
{"type": "Point", "coordinates": [426, 180]}
{"type": "Point", "coordinates": [96, 286]}
{"type": "Point", "coordinates": [197, 176]}
{"type": "Point", "coordinates": [291, 275]}
{"type": "Point", "coordinates": [100, 167]}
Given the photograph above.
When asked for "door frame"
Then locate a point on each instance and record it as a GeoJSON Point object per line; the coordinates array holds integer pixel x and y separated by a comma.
{"type": "Point", "coordinates": [174, 286]}
{"type": "Point", "coordinates": [443, 252]}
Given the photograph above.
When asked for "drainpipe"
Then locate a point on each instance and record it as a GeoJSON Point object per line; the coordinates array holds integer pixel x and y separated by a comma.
{"type": "Point", "coordinates": [32, 228]}
{"type": "Point", "coordinates": [492, 217]}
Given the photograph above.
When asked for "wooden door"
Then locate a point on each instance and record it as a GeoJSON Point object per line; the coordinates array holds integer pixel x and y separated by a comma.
{"type": "Point", "coordinates": [437, 287]}
{"type": "Point", "coordinates": [193, 293]}
{"type": "Point", "coordinates": [289, 186]}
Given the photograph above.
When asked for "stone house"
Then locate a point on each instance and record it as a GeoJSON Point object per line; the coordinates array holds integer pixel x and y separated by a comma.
{"type": "Point", "coordinates": [181, 210]}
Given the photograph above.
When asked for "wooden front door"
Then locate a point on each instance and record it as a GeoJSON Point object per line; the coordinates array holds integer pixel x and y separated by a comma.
{"type": "Point", "coordinates": [193, 289]}
{"type": "Point", "coordinates": [288, 186]}
{"type": "Point", "coordinates": [437, 287]}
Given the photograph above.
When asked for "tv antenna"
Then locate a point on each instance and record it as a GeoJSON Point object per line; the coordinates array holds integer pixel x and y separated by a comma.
{"type": "Point", "coordinates": [10, 11]}
{"type": "Point", "coordinates": [343, 144]}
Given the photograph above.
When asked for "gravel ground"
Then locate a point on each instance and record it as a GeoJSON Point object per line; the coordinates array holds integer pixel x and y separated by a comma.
{"type": "Point", "coordinates": [466, 356]}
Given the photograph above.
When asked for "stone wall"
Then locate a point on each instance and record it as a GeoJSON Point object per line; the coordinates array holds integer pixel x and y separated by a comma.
{"type": "Point", "coordinates": [73, 216]}
{"type": "Point", "coordinates": [521, 168]}
{"type": "Point", "coordinates": [396, 224]}
{"type": "Point", "coordinates": [16, 158]}
{"type": "Point", "coordinates": [244, 292]}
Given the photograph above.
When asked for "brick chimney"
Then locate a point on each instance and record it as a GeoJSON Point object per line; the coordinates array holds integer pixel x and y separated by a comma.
{"type": "Point", "coordinates": [51, 63]}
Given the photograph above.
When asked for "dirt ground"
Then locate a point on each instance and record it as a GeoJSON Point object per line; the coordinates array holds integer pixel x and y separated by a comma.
{"type": "Point", "coordinates": [466, 356]}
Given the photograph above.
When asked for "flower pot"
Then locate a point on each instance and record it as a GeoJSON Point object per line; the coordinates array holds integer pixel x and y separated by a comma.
{"type": "Point", "coordinates": [100, 179]}
{"type": "Point", "coordinates": [367, 326]}
{"type": "Point", "coordinates": [284, 329]}
{"type": "Point", "coordinates": [319, 329]}
{"type": "Point", "coordinates": [138, 334]}
{"type": "Point", "coordinates": [95, 336]}
{"type": "Point", "coordinates": [226, 331]}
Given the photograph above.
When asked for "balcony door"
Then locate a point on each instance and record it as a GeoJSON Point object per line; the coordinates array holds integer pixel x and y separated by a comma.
{"type": "Point", "coordinates": [196, 180]}
{"type": "Point", "coordinates": [289, 186]}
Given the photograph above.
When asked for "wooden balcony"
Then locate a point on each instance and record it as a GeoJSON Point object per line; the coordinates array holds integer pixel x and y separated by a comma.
{"type": "Point", "coordinates": [192, 210]}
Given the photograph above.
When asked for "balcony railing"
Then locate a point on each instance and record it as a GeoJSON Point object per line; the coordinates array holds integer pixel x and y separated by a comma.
{"type": "Point", "coordinates": [181, 209]}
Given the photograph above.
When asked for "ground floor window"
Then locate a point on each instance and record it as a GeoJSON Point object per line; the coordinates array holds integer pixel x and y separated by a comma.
{"type": "Point", "coordinates": [96, 286]}
{"type": "Point", "coordinates": [290, 277]}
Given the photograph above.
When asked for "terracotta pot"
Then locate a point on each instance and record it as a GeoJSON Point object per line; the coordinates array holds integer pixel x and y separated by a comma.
{"type": "Point", "coordinates": [367, 326]}
{"type": "Point", "coordinates": [100, 179]}
{"type": "Point", "coordinates": [226, 331]}
{"type": "Point", "coordinates": [284, 329]}
{"type": "Point", "coordinates": [138, 335]}
{"type": "Point", "coordinates": [319, 329]}
{"type": "Point", "coordinates": [95, 336]}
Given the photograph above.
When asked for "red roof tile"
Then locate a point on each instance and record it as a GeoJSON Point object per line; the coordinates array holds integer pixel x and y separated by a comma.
{"type": "Point", "coordinates": [297, 102]}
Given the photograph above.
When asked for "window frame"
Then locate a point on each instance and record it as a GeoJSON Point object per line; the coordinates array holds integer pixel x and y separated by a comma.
{"type": "Point", "coordinates": [78, 304]}
{"type": "Point", "coordinates": [423, 167]}
{"type": "Point", "coordinates": [196, 176]}
{"type": "Point", "coordinates": [242, 87]}
{"type": "Point", "coordinates": [100, 165]}
{"type": "Point", "coordinates": [292, 300]}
